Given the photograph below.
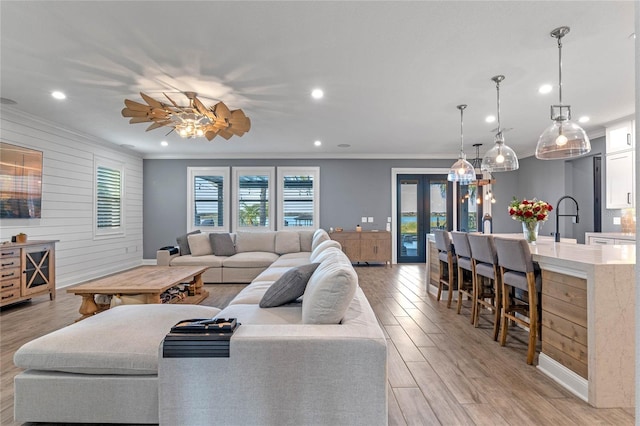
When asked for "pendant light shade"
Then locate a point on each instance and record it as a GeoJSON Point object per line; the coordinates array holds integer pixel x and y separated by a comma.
{"type": "Point", "coordinates": [500, 158]}
{"type": "Point", "coordinates": [462, 171]}
{"type": "Point", "coordinates": [563, 139]}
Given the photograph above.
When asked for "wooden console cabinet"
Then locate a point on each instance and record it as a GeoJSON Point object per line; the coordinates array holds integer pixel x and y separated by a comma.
{"type": "Point", "coordinates": [365, 246]}
{"type": "Point", "coordinates": [28, 270]}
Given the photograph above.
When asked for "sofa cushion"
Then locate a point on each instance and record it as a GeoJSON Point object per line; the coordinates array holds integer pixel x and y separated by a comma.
{"type": "Point", "coordinates": [292, 259]}
{"type": "Point", "coordinates": [256, 241]}
{"type": "Point", "coordinates": [252, 294]}
{"type": "Point", "coordinates": [306, 238]}
{"type": "Point", "coordinates": [323, 246]}
{"type": "Point", "coordinates": [123, 340]}
{"type": "Point", "coordinates": [289, 286]}
{"type": "Point", "coordinates": [183, 243]}
{"type": "Point", "coordinates": [319, 236]}
{"type": "Point", "coordinates": [272, 273]}
{"type": "Point", "coordinates": [329, 292]}
{"type": "Point", "coordinates": [256, 259]}
{"type": "Point", "coordinates": [210, 260]}
{"type": "Point", "coordinates": [222, 244]}
{"type": "Point", "coordinates": [287, 242]}
{"type": "Point", "coordinates": [252, 314]}
{"type": "Point", "coordinates": [199, 244]}
{"type": "Point", "coordinates": [329, 254]}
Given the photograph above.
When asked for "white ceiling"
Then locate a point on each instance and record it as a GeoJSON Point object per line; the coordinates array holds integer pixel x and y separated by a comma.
{"type": "Point", "coordinates": [392, 72]}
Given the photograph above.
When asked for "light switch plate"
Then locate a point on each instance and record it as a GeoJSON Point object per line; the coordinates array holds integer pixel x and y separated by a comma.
{"type": "Point", "coordinates": [616, 221]}
{"type": "Point", "coordinates": [389, 219]}
{"type": "Point", "coordinates": [370, 219]}
{"type": "Point", "coordinates": [364, 219]}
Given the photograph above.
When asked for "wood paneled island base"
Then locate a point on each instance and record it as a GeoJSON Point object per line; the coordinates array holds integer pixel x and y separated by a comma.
{"type": "Point", "coordinates": [147, 280]}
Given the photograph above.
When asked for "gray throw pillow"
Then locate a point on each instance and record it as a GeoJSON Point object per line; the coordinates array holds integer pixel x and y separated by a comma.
{"type": "Point", "coordinates": [288, 287]}
{"type": "Point", "coordinates": [183, 243]}
{"type": "Point", "coordinates": [222, 244]}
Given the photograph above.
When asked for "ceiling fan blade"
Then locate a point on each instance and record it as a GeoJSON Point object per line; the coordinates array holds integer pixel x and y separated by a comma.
{"type": "Point", "coordinates": [160, 113]}
{"type": "Point", "coordinates": [225, 133]}
{"type": "Point", "coordinates": [135, 106]}
{"type": "Point", "coordinates": [126, 112]}
{"type": "Point", "coordinates": [210, 134]}
{"type": "Point", "coordinates": [135, 120]}
{"type": "Point", "coordinates": [158, 124]}
{"type": "Point", "coordinates": [239, 122]}
{"type": "Point", "coordinates": [221, 110]}
{"type": "Point", "coordinates": [171, 100]}
{"type": "Point", "coordinates": [152, 102]}
{"type": "Point", "coordinates": [200, 107]}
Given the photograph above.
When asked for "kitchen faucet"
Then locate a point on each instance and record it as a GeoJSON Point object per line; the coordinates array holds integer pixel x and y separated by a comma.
{"type": "Point", "coordinates": [558, 215]}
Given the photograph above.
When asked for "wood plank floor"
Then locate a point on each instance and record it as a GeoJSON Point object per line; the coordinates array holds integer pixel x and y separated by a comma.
{"type": "Point", "coordinates": [442, 370]}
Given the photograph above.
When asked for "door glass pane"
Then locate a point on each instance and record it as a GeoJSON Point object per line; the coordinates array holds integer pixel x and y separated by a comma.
{"type": "Point", "coordinates": [253, 201]}
{"type": "Point", "coordinates": [409, 218]}
{"type": "Point", "coordinates": [470, 208]}
{"type": "Point", "coordinates": [438, 203]}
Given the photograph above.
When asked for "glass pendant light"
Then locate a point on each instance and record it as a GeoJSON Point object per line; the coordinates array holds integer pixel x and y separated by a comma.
{"type": "Point", "coordinates": [462, 171]}
{"type": "Point", "coordinates": [500, 158]}
{"type": "Point", "coordinates": [563, 139]}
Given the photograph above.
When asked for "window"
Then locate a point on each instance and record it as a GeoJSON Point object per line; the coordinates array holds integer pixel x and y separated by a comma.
{"type": "Point", "coordinates": [252, 205]}
{"type": "Point", "coordinates": [208, 198]}
{"type": "Point", "coordinates": [109, 209]}
{"type": "Point", "coordinates": [299, 197]}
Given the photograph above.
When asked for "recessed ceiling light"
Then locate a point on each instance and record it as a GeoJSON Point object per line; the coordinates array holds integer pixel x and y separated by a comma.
{"type": "Point", "coordinates": [344, 145]}
{"type": "Point", "coordinates": [164, 143]}
{"type": "Point", "coordinates": [58, 95]}
{"type": "Point", "coordinates": [545, 88]}
{"type": "Point", "coordinates": [317, 94]}
{"type": "Point", "coordinates": [490, 118]}
{"type": "Point", "coordinates": [317, 143]}
{"type": "Point", "coordinates": [583, 119]}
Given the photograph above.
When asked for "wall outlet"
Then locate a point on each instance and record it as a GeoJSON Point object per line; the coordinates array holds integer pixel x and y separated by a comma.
{"type": "Point", "coordinates": [370, 219]}
{"type": "Point", "coordinates": [616, 221]}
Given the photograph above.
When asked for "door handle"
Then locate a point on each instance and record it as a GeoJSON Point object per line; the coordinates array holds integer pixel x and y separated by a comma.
{"type": "Point", "coordinates": [628, 198]}
{"type": "Point", "coordinates": [629, 139]}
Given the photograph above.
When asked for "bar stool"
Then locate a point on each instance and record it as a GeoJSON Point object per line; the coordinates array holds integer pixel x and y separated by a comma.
{"type": "Point", "coordinates": [466, 282]}
{"type": "Point", "coordinates": [521, 283]}
{"type": "Point", "coordinates": [488, 283]}
{"type": "Point", "coordinates": [446, 263]}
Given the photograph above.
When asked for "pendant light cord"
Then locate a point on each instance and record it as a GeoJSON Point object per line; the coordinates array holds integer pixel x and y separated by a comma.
{"type": "Point", "coordinates": [461, 130]}
{"type": "Point", "coordinates": [560, 67]}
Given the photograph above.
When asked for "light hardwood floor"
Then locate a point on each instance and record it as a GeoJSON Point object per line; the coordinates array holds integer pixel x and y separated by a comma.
{"type": "Point", "coordinates": [442, 370]}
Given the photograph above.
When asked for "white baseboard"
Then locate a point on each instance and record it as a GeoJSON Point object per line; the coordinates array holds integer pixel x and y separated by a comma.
{"type": "Point", "coordinates": [149, 262]}
{"type": "Point", "coordinates": [577, 385]}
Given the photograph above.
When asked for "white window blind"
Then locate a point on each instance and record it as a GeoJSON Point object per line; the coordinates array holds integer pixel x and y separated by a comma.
{"type": "Point", "coordinates": [208, 198]}
{"type": "Point", "coordinates": [109, 208]}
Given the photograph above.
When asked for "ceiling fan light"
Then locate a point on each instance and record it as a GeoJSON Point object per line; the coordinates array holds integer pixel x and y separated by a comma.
{"type": "Point", "coordinates": [563, 139]}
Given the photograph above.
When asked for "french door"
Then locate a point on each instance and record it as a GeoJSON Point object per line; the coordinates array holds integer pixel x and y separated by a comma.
{"type": "Point", "coordinates": [424, 203]}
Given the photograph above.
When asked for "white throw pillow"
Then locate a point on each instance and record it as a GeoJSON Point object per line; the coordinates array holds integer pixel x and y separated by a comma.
{"type": "Point", "coordinates": [329, 292]}
{"type": "Point", "coordinates": [319, 236]}
{"type": "Point", "coordinates": [322, 247]}
{"type": "Point", "coordinates": [199, 244]}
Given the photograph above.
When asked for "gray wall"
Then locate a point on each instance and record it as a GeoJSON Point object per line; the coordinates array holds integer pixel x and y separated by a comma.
{"type": "Point", "coordinates": [349, 189]}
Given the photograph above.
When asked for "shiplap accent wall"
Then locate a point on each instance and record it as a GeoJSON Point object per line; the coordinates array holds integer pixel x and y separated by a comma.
{"type": "Point", "coordinates": [68, 199]}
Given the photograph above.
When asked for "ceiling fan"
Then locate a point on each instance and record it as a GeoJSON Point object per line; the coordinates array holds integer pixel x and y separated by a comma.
{"type": "Point", "coordinates": [191, 121]}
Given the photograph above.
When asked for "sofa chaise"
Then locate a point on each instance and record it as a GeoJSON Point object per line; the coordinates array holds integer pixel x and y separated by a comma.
{"type": "Point", "coordinates": [320, 359]}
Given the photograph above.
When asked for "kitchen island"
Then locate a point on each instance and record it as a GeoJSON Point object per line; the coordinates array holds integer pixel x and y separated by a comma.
{"type": "Point", "coordinates": [588, 318]}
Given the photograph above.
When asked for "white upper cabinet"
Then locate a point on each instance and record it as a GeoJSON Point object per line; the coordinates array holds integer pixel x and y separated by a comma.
{"type": "Point", "coordinates": [620, 137]}
{"type": "Point", "coordinates": [620, 165]}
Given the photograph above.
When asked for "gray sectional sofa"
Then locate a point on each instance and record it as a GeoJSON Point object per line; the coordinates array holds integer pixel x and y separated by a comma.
{"type": "Point", "coordinates": [321, 359]}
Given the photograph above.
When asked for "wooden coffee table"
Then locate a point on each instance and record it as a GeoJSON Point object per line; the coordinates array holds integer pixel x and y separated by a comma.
{"type": "Point", "coordinates": [148, 280]}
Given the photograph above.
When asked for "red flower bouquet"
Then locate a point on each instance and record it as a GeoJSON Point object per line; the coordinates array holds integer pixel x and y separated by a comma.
{"type": "Point", "coordinates": [529, 210]}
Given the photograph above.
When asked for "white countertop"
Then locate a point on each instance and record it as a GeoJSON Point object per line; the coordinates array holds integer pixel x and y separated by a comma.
{"type": "Point", "coordinates": [615, 235]}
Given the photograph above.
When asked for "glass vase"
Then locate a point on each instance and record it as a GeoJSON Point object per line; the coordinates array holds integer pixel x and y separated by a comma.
{"type": "Point", "coordinates": [530, 231]}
